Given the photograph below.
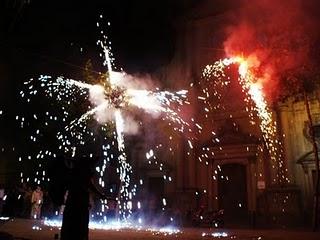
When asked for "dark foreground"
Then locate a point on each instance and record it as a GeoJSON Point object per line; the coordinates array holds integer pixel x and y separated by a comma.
{"type": "Point", "coordinates": [35, 230]}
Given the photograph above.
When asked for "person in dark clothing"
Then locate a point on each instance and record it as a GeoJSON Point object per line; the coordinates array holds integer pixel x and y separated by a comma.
{"type": "Point", "coordinates": [9, 208]}
{"type": "Point", "coordinates": [27, 202]}
{"type": "Point", "coordinates": [76, 213]}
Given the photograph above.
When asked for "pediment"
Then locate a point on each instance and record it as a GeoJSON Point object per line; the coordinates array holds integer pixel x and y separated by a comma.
{"type": "Point", "coordinates": [230, 133]}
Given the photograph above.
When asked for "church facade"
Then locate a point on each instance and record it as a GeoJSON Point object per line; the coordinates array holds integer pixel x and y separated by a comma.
{"type": "Point", "coordinates": [237, 174]}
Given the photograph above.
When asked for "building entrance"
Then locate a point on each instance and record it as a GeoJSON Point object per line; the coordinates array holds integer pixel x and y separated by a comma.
{"type": "Point", "coordinates": [232, 193]}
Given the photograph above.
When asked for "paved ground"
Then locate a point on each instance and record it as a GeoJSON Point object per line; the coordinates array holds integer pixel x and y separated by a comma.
{"type": "Point", "coordinates": [35, 230]}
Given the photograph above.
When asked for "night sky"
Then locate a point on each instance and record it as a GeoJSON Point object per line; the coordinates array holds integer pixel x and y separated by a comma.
{"type": "Point", "coordinates": [141, 32]}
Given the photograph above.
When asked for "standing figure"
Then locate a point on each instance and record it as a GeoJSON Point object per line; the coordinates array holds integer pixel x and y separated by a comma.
{"type": "Point", "coordinates": [75, 221]}
{"type": "Point", "coordinates": [27, 202]}
{"type": "Point", "coordinates": [36, 201]}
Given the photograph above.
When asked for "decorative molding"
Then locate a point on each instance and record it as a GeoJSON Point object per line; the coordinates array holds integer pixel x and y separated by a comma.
{"type": "Point", "coordinates": [231, 134]}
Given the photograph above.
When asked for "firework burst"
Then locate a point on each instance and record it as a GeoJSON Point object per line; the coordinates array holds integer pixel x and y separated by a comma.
{"type": "Point", "coordinates": [96, 115]}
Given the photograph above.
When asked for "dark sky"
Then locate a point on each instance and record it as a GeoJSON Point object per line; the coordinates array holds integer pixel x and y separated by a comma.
{"type": "Point", "coordinates": [141, 31]}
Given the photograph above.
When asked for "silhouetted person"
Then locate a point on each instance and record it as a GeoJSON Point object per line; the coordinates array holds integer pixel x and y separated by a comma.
{"type": "Point", "coordinates": [9, 208]}
{"type": "Point", "coordinates": [47, 207]}
{"type": "Point", "coordinates": [76, 213]}
{"type": "Point", "coordinates": [27, 202]}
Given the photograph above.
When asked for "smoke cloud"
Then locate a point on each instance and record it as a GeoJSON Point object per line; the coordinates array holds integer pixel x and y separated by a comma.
{"type": "Point", "coordinates": [276, 36]}
{"type": "Point", "coordinates": [105, 111]}
{"type": "Point", "coordinates": [136, 81]}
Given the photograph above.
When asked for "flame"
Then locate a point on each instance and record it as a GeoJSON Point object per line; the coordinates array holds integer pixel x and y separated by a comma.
{"type": "Point", "coordinates": [243, 68]}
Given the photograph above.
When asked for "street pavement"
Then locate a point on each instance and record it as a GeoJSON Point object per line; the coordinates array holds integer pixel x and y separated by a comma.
{"type": "Point", "coordinates": [36, 230]}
